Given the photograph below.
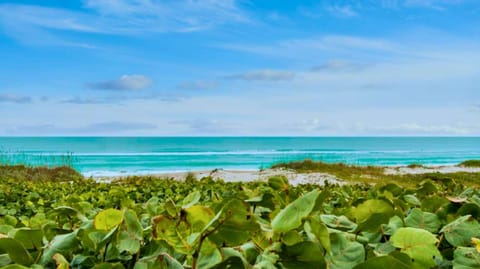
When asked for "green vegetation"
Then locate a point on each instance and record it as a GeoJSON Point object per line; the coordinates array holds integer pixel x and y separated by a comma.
{"type": "Point", "coordinates": [339, 169]}
{"type": "Point", "coordinates": [31, 173]}
{"type": "Point", "coordinates": [470, 163]}
{"type": "Point", "coordinates": [415, 165]}
{"type": "Point", "coordinates": [376, 174]}
{"type": "Point", "coordinates": [144, 222]}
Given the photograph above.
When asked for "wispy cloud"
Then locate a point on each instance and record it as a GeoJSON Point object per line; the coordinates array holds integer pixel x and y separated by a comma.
{"type": "Point", "coordinates": [263, 75]}
{"type": "Point", "coordinates": [432, 4]}
{"type": "Point", "coordinates": [85, 101]}
{"type": "Point", "coordinates": [124, 83]}
{"type": "Point", "coordinates": [338, 66]}
{"type": "Point", "coordinates": [18, 99]}
{"type": "Point", "coordinates": [127, 16]}
{"type": "Point", "coordinates": [198, 85]}
{"type": "Point", "coordinates": [316, 47]}
{"type": "Point", "coordinates": [122, 99]}
{"type": "Point", "coordinates": [342, 11]}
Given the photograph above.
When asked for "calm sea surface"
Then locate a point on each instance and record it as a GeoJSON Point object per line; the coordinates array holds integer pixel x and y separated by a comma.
{"type": "Point", "coordinates": [138, 155]}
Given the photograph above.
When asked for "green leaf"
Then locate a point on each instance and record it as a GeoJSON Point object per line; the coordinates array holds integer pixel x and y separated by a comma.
{"type": "Point", "coordinates": [131, 233]}
{"type": "Point", "coordinates": [419, 244]}
{"type": "Point", "coordinates": [303, 255]}
{"type": "Point", "coordinates": [279, 183]}
{"type": "Point", "coordinates": [199, 216]}
{"type": "Point", "coordinates": [82, 262]}
{"type": "Point", "coordinates": [30, 238]}
{"type": "Point", "coordinates": [383, 262]}
{"type": "Point", "coordinates": [231, 259]}
{"type": "Point", "coordinates": [191, 199]}
{"type": "Point", "coordinates": [237, 224]}
{"type": "Point", "coordinates": [461, 231]}
{"type": "Point", "coordinates": [16, 251]}
{"type": "Point", "coordinates": [412, 199]}
{"type": "Point", "coordinates": [15, 266]}
{"type": "Point", "coordinates": [371, 214]}
{"type": "Point", "coordinates": [163, 261]}
{"type": "Point", "coordinates": [209, 256]}
{"type": "Point", "coordinates": [423, 220]}
{"type": "Point", "coordinates": [339, 222]}
{"type": "Point", "coordinates": [393, 225]}
{"type": "Point", "coordinates": [466, 258]}
{"type": "Point", "coordinates": [320, 231]}
{"type": "Point", "coordinates": [108, 219]}
{"type": "Point", "coordinates": [345, 254]}
{"type": "Point", "coordinates": [63, 244]}
{"type": "Point", "coordinates": [106, 265]}
{"type": "Point", "coordinates": [292, 215]}
{"type": "Point", "coordinates": [61, 262]}
{"type": "Point", "coordinates": [165, 228]}
{"type": "Point", "coordinates": [291, 238]}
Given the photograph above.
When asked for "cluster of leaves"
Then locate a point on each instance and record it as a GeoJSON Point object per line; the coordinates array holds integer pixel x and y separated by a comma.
{"type": "Point", "coordinates": [144, 223]}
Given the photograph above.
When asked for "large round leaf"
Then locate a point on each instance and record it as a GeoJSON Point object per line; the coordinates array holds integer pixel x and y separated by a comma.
{"type": "Point", "coordinates": [370, 207]}
{"type": "Point", "coordinates": [466, 258]}
{"type": "Point", "coordinates": [30, 238]}
{"type": "Point", "coordinates": [419, 244]}
{"type": "Point", "coordinates": [423, 220]}
{"type": "Point", "coordinates": [292, 215]}
{"type": "Point", "coordinates": [199, 216]}
{"type": "Point", "coordinates": [461, 231]}
{"type": "Point", "coordinates": [108, 219]}
{"type": "Point", "coordinates": [236, 224]}
{"type": "Point", "coordinates": [15, 251]}
{"type": "Point", "coordinates": [345, 254]}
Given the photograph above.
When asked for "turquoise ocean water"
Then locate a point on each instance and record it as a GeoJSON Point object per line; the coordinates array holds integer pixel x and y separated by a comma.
{"type": "Point", "coordinates": [102, 156]}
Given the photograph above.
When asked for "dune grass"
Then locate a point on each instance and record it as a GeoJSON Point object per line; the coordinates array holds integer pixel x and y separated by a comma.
{"type": "Point", "coordinates": [470, 163]}
{"type": "Point", "coordinates": [376, 174]}
{"type": "Point", "coordinates": [39, 173]}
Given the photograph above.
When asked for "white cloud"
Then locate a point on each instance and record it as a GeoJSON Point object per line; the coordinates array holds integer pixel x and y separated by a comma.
{"type": "Point", "coordinates": [124, 83]}
{"type": "Point", "coordinates": [263, 75]}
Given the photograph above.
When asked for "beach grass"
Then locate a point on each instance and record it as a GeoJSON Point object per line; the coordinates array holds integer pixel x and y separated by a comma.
{"type": "Point", "coordinates": [39, 173]}
{"type": "Point", "coordinates": [470, 163]}
{"type": "Point", "coordinates": [376, 174]}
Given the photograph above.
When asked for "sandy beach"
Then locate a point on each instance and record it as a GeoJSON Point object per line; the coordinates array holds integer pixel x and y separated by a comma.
{"type": "Point", "coordinates": [295, 178]}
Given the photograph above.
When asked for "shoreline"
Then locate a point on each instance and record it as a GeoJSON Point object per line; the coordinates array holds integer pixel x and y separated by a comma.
{"type": "Point", "coordinates": [294, 177]}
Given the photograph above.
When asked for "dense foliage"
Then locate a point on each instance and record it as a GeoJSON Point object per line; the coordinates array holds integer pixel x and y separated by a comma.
{"type": "Point", "coordinates": [471, 163]}
{"type": "Point", "coordinates": [149, 223]}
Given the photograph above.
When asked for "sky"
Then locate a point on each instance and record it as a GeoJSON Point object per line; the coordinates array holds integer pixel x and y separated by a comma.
{"type": "Point", "coordinates": [240, 68]}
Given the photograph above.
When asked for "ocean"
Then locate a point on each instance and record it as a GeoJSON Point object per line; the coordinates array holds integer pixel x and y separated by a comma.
{"type": "Point", "coordinates": [110, 156]}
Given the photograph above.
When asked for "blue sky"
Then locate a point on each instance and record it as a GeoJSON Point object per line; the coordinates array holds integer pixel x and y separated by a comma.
{"type": "Point", "coordinates": [227, 67]}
